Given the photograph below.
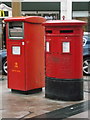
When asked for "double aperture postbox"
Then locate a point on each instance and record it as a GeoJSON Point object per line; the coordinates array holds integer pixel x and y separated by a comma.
{"type": "Point", "coordinates": [25, 53]}
{"type": "Point", "coordinates": [64, 59]}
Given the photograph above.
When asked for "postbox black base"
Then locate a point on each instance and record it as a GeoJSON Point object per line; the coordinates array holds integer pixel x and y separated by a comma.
{"type": "Point", "coordinates": [27, 92]}
{"type": "Point", "coordinates": [64, 89]}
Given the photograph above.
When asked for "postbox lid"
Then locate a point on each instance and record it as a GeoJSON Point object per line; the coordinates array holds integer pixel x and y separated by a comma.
{"type": "Point", "coordinates": [63, 23]}
{"type": "Point", "coordinates": [31, 19]}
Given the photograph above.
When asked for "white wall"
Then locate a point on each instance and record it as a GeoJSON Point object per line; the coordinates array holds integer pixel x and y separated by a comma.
{"type": "Point", "coordinates": [6, 8]}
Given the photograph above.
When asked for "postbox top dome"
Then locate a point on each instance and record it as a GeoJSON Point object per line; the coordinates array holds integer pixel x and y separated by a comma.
{"type": "Point", "coordinates": [31, 19]}
{"type": "Point", "coordinates": [63, 22]}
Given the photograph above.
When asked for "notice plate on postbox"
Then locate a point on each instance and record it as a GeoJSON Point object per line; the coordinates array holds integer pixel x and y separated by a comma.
{"type": "Point", "coordinates": [16, 50]}
{"type": "Point", "coordinates": [66, 47]}
{"type": "Point", "coordinates": [47, 47]}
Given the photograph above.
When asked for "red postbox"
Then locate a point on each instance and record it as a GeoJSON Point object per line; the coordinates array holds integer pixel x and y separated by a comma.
{"type": "Point", "coordinates": [25, 53]}
{"type": "Point", "coordinates": [64, 59]}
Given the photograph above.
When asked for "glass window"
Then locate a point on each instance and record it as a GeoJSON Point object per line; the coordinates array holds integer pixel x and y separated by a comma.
{"type": "Point", "coordinates": [6, 13]}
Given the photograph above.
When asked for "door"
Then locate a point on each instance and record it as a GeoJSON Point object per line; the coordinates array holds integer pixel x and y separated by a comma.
{"type": "Point", "coordinates": [15, 56]}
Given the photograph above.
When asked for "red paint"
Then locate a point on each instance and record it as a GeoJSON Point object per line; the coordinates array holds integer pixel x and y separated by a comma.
{"type": "Point", "coordinates": [26, 71]}
{"type": "Point", "coordinates": [61, 64]}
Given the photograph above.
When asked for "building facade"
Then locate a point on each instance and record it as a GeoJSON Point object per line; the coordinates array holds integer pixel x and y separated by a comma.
{"type": "Point", "coordinates": [50, 10]}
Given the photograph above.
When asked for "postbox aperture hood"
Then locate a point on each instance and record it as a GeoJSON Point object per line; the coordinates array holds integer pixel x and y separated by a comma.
{"type": "Point", "coordinates": [31, 19]}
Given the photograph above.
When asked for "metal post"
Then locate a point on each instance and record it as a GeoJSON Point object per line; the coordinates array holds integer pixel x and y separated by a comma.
{"type": "Point", "coordinates": [16, 8]}
{"type": "Point", "coordinates": [66, 9]}
{"type": "Point", "coordinates": [0, 33]}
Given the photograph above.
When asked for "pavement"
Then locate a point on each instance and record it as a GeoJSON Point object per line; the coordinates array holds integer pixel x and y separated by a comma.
{"type": "Point", "coordinates": [33, 106]}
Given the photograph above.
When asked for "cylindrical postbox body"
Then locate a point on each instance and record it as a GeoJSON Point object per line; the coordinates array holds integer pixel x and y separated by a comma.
{"type": "Point", "coordinates": [64, 59]}
{"type": "Point", "coordinates": [25, 53]}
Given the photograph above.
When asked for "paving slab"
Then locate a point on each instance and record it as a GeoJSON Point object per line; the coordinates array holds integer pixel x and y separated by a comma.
{"type": "Point", "coordinates": [16, 105]}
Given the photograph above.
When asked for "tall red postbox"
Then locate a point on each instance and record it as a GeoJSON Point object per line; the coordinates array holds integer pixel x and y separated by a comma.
{"type": "Point", "coordinates": [64, 59]}
{"type": "Point", "coordinates": [25, 53]}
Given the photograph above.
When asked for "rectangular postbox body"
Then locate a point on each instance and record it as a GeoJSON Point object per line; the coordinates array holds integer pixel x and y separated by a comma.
{"type": "Point", "coordinates": [25, 53]}
{"type": "Point", "coordinates": [64, 59]}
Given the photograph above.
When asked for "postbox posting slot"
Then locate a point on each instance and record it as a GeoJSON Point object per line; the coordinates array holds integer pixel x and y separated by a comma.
{"type": "Point", "coordinates": [48, 31]}
{"type": "Point", "coordinates": [66, 31]}
{"type": "Point", "coordinates": [16, 30]}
